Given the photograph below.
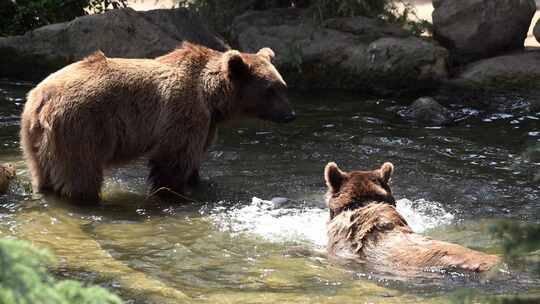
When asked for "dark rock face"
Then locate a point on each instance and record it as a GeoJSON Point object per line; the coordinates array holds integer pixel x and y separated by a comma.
{"type": "Point", "coordinates": [520, 70]}
{"type": "Point", "coordinates": [475, 29]}
{"type": "Point", "coordinates": [348, 53]}
{"type": "Point", "coordinates": [118, 33]}
{"type": "Point", "coordinates": [427, 111]}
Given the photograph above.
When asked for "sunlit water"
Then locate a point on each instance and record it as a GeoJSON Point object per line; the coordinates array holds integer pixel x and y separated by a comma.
{"type": "Point", "coordinates": [232, 244]}
{"type": "Point", "coordinates": [308, 224]}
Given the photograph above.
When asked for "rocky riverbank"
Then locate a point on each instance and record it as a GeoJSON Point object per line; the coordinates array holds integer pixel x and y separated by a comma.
{"type": "Point", "coordinates": [118, 33]}
{"type": "Point", "coordinates": [477, 44]}
{"type": "Point", "coordinates": [356, 53]}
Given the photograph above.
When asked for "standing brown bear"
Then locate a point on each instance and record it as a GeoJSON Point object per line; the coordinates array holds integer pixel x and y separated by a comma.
{"type": "Point", "coordinates": [364, 225]}
{"type": "Point", "coordinates": [100, 112]}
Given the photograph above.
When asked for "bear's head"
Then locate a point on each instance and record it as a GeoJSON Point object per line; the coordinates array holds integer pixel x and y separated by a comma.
{"type": "Point", "coordinates": [260, 91]}
{"type": "Point", "coordinates": [356, 189]}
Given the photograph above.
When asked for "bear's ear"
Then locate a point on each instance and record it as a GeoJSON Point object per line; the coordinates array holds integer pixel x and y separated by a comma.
{"type": "Point", "coordinates": [386, 171]}
{"type": "Point", "coordinates": [235, 65]}
{"type": "Point", "coordinates": [267, 53]}
{"type": "Point", "coordinates": [334, 177]}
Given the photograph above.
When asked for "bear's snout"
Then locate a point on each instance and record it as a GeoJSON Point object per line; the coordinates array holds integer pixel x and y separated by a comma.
{"type": "Point", "coordinates": [281, 112]}
{"type": "Point", "coordinates": [278, 116]}
{"type": "Point", "coordinates": [287, 117]}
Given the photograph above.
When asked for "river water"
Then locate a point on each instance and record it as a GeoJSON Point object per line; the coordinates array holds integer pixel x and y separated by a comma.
{"type": "Point", "coordinates": [229, 244]}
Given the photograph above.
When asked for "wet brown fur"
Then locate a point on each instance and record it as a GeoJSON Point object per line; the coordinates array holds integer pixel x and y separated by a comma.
{"type": "Point", "coordinates": [375, 233]}
{"type": "Point", "coordinates": [7, 173]}
{"type": "Point", "coordinates": [101, 112]}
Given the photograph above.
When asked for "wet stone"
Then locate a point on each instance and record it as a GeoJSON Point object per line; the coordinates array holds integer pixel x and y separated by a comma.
{"type": "Point", "coordinates": [427, 111]}
{"type": "Point", "coordinates": [280, 202]}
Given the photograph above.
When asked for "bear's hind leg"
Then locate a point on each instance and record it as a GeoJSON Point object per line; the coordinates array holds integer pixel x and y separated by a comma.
{"type": "Point", "coordinates": [78, 182]}
{"type": "Point", "coordinates": [31, 144]}
{"type": "Point", "coordinates": [38, 173]}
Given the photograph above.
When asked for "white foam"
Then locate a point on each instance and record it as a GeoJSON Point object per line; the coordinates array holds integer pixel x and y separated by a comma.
{"type": "Point", "coordinates": [422, 215]}
{"type": "Point", "coordinates": [277, 225]}
{"type": "Point", "coordinates": [308, 225]}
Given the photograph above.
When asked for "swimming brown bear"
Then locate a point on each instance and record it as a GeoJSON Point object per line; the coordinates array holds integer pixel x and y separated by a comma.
{"type": "Point", "coordinates": [364, 225]}
{"type": "Point", "coordinates": [101, 112]}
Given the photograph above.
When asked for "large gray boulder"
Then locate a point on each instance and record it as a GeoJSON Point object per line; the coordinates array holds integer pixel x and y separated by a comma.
{"type": "Point", "coordinates": [118, 33]}
{"type": "Point", "coordinates": [353, 53]}
{"type": "Point", "coordinates": [475, 29]}
{"type": "Point", "coordinates": [520, 70]}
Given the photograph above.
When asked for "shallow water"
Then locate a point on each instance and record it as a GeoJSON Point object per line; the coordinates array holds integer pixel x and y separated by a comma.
{"type": "Point", "coordinates": [231, 245]}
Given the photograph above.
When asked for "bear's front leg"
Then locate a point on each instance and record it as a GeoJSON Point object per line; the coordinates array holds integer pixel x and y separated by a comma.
{"type": "Point", "coordinates": [171, 175]}
{"type": "Point", "coordinates": [194, 179]}
{"type": "Point", "coordinates": [175, 160]}
{"type": "Point", "coordinates": [174, 168]}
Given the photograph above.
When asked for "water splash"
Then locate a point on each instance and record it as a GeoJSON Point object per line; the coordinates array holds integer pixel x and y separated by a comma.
{"type": "Point", "coordinates": [422, 215]}
{"type": "Point", "coordinates": [308, 224]}
{"type": "Point", "coordinates": [262, 218]}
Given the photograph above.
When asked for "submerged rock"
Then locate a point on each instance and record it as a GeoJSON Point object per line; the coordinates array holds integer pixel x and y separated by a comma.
{"type": "Point", "coordinates": [427, 111]}
{"type": "Point", "coordinates": [481, 28]}
{"type": "Point", "coordinates": [118, 33]}
{"type": "Point", "coordinates": [279, 202]}
{"type": "Point", "coordinates": [514, 71]}
{"type": "Point", "coordinates": [7, 173]}
{"type": "Point", "coordinates": [348, 53]}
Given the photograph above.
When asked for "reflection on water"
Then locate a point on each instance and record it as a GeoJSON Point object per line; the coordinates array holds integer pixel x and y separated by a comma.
{"type": "Point", "coordinates": [228, 247]}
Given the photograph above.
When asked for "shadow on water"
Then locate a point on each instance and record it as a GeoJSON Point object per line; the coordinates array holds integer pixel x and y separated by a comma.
{"type": "Point", "coordinates": [225, 246]}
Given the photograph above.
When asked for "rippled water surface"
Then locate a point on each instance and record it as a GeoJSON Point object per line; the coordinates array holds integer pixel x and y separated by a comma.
{"type": "Point", "coordinates": [230, 244]}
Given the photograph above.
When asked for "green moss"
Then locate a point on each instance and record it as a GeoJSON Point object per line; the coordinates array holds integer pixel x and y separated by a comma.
{"type": "Point", "coordinates": [24, 278]}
